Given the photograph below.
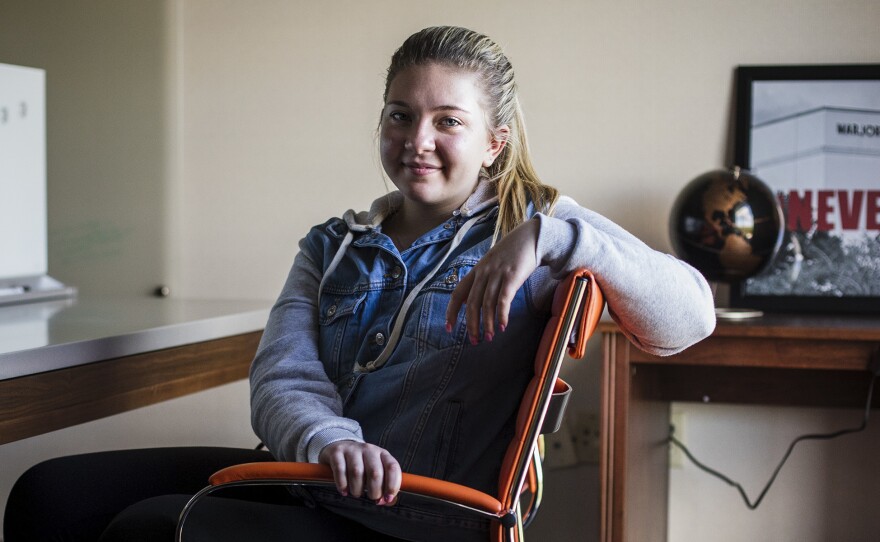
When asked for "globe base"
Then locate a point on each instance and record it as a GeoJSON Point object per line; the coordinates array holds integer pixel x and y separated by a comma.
{"type": "Point", "coordinates": [737, 314]}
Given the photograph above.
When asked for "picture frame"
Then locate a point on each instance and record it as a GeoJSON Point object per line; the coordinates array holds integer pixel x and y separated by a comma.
{"type": "Point", "coordinates": [812, 133]}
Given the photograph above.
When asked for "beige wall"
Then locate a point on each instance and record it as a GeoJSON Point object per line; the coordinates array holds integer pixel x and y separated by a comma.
{"type": "Point", "coordinates": [625, 102]}
{"type": "Point", "coordinates": [193, 142]}
{"type": "Point", "coordinates": [106, 102]}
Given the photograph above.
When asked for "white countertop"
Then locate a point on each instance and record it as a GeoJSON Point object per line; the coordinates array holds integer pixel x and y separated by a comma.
{"type": "Point", "coordinates": [40, 337]}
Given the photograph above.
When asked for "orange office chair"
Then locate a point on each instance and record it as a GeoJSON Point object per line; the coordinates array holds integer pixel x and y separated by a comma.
{"type": "Point", "coordinates": [577, 306]}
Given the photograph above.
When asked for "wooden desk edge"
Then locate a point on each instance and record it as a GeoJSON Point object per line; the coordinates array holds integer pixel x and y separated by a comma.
{"type": "Point", "coordinates": [789, 326]}
{"type": "Point", "coordinates": [40, 403]}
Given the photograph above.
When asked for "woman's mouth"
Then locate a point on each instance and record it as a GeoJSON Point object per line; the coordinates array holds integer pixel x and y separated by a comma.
{"type": "Point", "coordinates": [420, 169]}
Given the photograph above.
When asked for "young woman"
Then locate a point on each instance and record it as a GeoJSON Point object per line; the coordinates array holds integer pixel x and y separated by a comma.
{"type": "Point", "coordinates": [369, 365]}
{"type": "Point", "coordinates": [403, 336]}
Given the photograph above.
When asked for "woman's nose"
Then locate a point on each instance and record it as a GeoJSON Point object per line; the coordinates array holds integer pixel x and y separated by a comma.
{"type": "Point", "coordinates": [421, 138]}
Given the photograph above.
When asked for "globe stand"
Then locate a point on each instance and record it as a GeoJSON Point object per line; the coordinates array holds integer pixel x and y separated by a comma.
{"type": "Point", "coordinates": [727, 313]}
{"type": "Point", "coordinates": [730, 313]}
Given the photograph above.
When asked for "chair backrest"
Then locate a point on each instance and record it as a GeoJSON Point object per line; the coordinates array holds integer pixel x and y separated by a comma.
{"type": "Point", "coordinates": [577, 307]}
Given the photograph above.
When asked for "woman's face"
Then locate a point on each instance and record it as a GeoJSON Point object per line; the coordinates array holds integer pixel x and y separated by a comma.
{"type": "Point", "coordinates": [434, 137]}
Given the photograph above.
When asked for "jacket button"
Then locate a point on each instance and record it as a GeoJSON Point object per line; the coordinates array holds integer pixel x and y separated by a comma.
{"type": "Point", "coordinates": [380, 339]}
{"type": "Point", "coordinates": [447, 225]}
{"type": "Point", "coordinates": [452, 279]}
{"type": "Point", "coordinates": [395, 273]}
{"type": "Point", "coordinates": [331, 310]}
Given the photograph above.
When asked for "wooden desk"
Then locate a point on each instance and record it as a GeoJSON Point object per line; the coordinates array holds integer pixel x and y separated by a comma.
{"type": "Point", "coordinates": [774, 360]}
{"type": "Point", "coordinates": [68, 362]}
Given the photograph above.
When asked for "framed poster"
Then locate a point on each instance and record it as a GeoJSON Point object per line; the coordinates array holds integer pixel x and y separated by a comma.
{"type": "Point", "coordinates": [812, 133]}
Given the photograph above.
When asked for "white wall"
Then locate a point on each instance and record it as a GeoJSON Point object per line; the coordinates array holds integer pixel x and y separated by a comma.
{"type": "Point", "coordinates": [827, 490]}
{"type": "Point", "coordinates": [193, 142]}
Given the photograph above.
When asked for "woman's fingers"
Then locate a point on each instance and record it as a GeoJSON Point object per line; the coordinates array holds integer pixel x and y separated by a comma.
{"type": "Point", "coordinates": [487, 291]}
{"type": "Point", "coordinates": [354, 471]}
{"type": "Point", "coordinates": [503, 300]}
{"type": "Point", "coordinates": [392, 480]}
{"type": "Point", "coordinates": [363, 470]}
{"type": "Point", "coordinates": [486, 296]}
{"type": "Point", "coordinates": [333, 456]}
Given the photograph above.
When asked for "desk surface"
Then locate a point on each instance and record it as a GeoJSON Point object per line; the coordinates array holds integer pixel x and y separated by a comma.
{"type": "Point", "coordinates": [41, 337]}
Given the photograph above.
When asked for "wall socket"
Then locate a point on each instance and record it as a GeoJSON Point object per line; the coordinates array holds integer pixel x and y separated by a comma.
{"type": "Point", "coordinates": [585, 433]}
{"type": "Point", "coordinates": [677, 419]}
{"type": "Point", "coordinates": [559, 449]}
{"type": "Point", "coordinates": [576, 442]}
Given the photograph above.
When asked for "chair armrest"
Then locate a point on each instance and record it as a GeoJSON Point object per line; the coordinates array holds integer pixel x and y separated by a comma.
{"type": "Point", "coordinates": [310, 472]}
{"type": "Point", "coordinates": [589, 316]}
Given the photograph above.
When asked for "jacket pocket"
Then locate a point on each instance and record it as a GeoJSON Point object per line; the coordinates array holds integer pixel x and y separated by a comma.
{"type": "Point", "coordinates": [338, 331]}
{"type": "Point", "coordinates": [449, 429]}
{"type": "Point", "coordinates": [431, 324]}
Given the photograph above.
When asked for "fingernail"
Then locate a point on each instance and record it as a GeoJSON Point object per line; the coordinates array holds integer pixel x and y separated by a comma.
{"type": "Point", "coordinates": [448, 327]}
{"type": "Point", "coordinates": [474, 340]}
{"type": "Point", "coordinates": [502, 327]}
{"type": "Point", "coordinates": [488, 337]}
{"type": "Point", "coordinates": [343, 492]}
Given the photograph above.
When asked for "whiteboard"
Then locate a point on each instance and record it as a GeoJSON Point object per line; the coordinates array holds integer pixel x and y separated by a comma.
{"type": "Point", "coordinates": [23, 249]}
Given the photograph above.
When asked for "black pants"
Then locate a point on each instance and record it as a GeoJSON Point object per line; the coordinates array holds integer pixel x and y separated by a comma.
{"type": "Point", "coordinates": [137, 495]}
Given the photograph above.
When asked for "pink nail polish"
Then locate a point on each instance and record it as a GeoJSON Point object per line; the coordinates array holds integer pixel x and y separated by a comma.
{"type": "Point", "coordinates": [488, 337]}
{"type": "Point", "coordinates": [474, 340]}
{"type": "Point", "coordinates": [502, 327]}
{"type": "Point", "coordinates": [448, 327]}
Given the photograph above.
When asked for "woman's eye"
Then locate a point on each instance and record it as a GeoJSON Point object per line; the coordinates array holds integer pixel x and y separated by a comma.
{"type": "Point", "coordinates": [450, 122]}
{"type": "Point", "coordinates": [398, 116]}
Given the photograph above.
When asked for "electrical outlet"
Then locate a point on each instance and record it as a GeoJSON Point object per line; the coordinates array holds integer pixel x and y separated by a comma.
{"type": "Point", "coordinates": [677, 420]}
{"type": "Point", "coordinates": [585, 433]}
{"type": "Point", "coordinates": [559, 450]}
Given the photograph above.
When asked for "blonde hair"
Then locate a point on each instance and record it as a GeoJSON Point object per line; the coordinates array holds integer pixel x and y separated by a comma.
{"type": "Point", "coordinates": [517, 182]}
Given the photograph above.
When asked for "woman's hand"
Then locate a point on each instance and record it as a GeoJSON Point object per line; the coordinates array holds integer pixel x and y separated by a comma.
{"type": "Point", "coordinates": [488, 290]}
{"type": "Point", "coordinates": [363, 469]}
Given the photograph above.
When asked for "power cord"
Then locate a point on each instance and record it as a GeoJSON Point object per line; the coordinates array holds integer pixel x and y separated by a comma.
{"type": "Point", "coordinates": [875, 369]}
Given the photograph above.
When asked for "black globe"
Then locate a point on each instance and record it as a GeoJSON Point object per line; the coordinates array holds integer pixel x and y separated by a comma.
{"type": "Point", "coordinates": [727, 224]}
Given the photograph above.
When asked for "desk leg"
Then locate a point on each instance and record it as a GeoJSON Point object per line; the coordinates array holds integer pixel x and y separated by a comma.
{"type": "Point", "coordinates": [634, 458]}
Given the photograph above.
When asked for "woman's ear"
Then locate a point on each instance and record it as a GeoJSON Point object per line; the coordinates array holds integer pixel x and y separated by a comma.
{"type": "Point", "coordinates": [497, 141]}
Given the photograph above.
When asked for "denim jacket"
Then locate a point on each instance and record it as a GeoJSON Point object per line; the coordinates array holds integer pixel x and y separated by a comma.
{"type": "Point", "coordinates": [440, 405]}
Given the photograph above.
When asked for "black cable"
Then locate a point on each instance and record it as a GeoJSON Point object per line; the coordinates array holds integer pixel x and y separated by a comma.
{"type": "Point", "coordinates": [825, 436]}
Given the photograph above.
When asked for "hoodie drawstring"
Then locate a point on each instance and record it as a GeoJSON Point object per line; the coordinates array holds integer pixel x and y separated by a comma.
{"type": "Point", "coordinates": [400, 319]}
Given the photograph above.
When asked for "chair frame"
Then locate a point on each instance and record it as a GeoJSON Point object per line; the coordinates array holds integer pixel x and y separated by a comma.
{"type": "Point", "coordinates": [582, 307]}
